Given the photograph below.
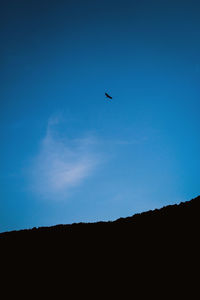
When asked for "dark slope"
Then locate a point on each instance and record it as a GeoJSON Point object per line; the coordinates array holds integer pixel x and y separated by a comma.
{"type": "Point", "coordinates": [155, 253]}
{"type": "Point", "coordinates": [178, 222]}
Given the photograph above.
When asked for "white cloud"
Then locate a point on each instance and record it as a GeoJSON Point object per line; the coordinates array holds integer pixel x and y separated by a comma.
{"type": "Point", "coordinates": [62, 163]}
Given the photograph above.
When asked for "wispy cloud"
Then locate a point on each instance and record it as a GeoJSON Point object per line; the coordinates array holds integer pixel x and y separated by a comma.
{"type": "Point", "coordinates": [62, 163]}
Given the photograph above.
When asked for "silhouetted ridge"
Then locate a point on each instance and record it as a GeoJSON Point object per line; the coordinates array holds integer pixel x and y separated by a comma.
{"type": "Point", "coordinates": [155, 248]}
{"type": "Point", "coordinates": [171, 220]}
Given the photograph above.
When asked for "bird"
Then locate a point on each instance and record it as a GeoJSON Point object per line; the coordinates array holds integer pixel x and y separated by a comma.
{"type": "Point", "coordinates": [108, 96]}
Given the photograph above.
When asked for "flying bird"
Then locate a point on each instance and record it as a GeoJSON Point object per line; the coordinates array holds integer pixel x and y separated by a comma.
{"type": "Point", "coordinates": [108, 96]}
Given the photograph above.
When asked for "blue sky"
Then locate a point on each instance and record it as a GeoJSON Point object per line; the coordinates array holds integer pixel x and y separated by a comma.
{"type": "Point", "coordinates": [69, 155]}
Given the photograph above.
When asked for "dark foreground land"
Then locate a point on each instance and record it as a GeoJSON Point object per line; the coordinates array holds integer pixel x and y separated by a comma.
{"type": "Point", "coordinates": [151, 254]}
{"type": "Point", "coordinates": [177, 223]}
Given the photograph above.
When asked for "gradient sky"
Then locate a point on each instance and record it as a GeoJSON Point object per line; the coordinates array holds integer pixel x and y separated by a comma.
{"type": "Point", "coordinates": [69, 155]}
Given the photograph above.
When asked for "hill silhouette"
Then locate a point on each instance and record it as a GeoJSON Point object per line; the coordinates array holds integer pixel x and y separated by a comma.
{"type": "Point", "coordinates": [154, 253]}
{"type": "Point", "coordinates": [179, 222]}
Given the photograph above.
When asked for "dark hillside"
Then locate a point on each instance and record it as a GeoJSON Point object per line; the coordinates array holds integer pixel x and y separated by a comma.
{"type": "Point", "coordinates": [153, 253]}
{"type": "Point", "coordinates": [178, 222]}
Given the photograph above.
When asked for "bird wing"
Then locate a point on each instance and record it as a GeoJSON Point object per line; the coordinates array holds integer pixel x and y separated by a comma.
{"type": "Point", "coordinates": [108, 96]}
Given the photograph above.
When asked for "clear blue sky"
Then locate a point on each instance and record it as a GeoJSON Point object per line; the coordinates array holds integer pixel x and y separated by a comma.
{"type": "Point", "coordinates": [67, 154]}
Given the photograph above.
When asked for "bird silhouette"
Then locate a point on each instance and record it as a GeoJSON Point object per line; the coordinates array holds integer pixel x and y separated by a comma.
{"type": "Point", "coordinates": [108, 96]}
